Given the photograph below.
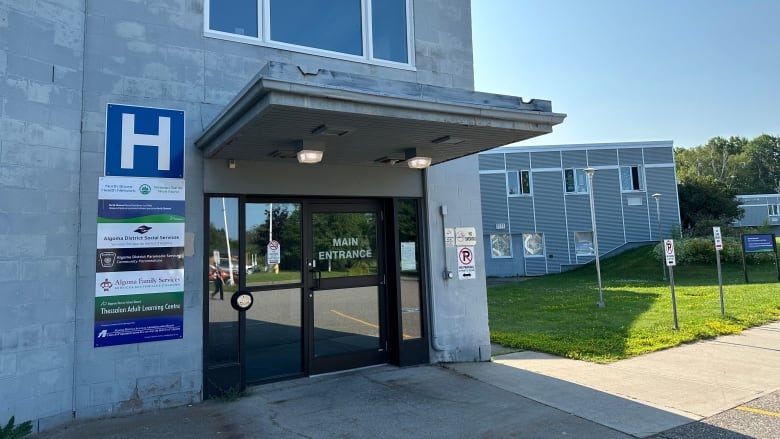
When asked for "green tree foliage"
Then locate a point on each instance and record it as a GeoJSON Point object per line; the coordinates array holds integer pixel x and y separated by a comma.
{"type": "Point", "coordinates": [705, 202]}
{"type": "Point", "coordinates": [745, 166]}
{"type": "Point", "coordinates": [11, 431]}
{"type": "Point", "coordinates": [710, 175]}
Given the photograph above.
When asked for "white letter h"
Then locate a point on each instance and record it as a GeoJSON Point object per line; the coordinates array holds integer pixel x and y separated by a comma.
{"type": "Point", "coordinates": [162, 141]}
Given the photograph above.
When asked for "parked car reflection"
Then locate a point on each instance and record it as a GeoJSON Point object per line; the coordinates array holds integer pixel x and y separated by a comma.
{"type": "Point", "coordinates": [224, 272]}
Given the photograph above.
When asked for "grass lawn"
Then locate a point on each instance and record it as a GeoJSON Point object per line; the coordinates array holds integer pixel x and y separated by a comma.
{"type": "Point", "coordinates": [558, 313]}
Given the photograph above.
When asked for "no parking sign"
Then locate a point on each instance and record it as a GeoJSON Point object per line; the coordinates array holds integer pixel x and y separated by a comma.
{"type": "Point", "coordinates": [466, 267]}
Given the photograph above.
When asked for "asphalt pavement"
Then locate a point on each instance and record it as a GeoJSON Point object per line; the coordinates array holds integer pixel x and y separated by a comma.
{"type": "Point", "coordinates": [727, 387]}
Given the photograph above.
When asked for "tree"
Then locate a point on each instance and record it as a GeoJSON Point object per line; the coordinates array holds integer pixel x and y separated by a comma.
{"type": "Point", "coordinates": [762, 166]}
{"type": "Point", "coordinates": [705, 202]}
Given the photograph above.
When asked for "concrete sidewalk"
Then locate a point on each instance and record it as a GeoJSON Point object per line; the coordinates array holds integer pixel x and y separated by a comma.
{"type": "Point", "coordinates": [651, 393]}
{"type": "Point", "coordinates": [523, 394]}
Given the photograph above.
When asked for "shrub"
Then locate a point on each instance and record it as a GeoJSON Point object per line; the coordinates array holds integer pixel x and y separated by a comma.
{"type": "Point", "coordinates": [11, 431]}
{"type": "Point", "coordinates": [702, 250]}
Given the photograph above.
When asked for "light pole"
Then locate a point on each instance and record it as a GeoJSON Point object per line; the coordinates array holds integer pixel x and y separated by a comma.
{"type": "Point", "coordinates": [657, 197]}
{"type": "Point", "coordinates": [590, 172]}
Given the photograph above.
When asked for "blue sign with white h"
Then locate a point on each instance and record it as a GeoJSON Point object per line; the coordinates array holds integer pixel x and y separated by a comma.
{"type": "Point", "coordinates": [144, 142]}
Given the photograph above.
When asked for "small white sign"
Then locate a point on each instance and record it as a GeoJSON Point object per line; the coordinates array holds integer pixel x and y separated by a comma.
{"type": "Point", "coordinates": [465, 236]}
{"type": "Point", "coordinates": [718, 238]}
{"type": "Point", "coordinates": [274, 255]}
{"type": "Point", "coordinates": [466, 267]}
{"type": "Point", "coordinates": [669, 251]}
{"type": "Point", "coordinates": [449, 237]}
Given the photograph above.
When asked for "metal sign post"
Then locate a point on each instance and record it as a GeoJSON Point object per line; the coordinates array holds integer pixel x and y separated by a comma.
{"type": "Point", "coordinates": [718, 248]}
{"type": "Point", "coordinates": [671, 262]}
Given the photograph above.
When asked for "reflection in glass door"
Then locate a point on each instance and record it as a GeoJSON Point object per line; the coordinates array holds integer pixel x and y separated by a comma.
{"type": "Point", "coordinates": [346, 287]}
{"type": "Point", "coordinates": [273, 273]}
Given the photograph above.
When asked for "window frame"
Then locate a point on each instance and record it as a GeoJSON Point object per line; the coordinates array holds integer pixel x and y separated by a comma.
{"type": "Point", "coordinates": [527, 253]}
{"type": "Point", "coordinates": [638, 178]}
{"type": "Point", "coordinates": [492, 248]}
{"type": "Point", "coordinates": [773, 209]}
{"type": "Point", "coordinates": [575, 173]}
{"type": "Point", "coordinates": [264, 36]}
{"type": "Point", "coordinates": [578, 234]}
{"type": "Point", "coordinates": [522, 183]}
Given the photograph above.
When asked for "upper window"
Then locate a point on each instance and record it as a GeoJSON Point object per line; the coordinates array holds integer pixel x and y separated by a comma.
{"type": "Point", "coordinates": [518, 183]}
{"type": "Point", "coordinates": [576, 181]}
{"type": "Point", "coordinates": [374, 30]}
{"type": "Point", "coordinates": [774, 209]}
{"type": "Point", "coordinates": [631, 178]}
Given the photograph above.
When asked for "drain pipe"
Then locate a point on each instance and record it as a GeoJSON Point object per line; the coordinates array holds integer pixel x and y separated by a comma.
{"type": "Point", "coordinates": [432, 295]}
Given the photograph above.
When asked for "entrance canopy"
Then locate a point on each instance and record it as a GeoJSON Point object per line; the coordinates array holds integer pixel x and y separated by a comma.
{"type": "Point", "coordinates": [366, 121]}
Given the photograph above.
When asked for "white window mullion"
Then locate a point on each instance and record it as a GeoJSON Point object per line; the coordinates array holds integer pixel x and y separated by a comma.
{"type": "Point", "coordinates": [367, 31]}
{"type": "Point", "coordinates": [264, 19]}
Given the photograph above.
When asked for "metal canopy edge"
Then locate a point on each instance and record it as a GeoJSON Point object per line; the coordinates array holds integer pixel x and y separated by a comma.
{"type": "Point", "coordinates": [362, 119]}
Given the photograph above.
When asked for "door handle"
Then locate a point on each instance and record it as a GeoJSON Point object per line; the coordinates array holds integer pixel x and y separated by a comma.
{"type": "Point", "coordinates": [316, 276]}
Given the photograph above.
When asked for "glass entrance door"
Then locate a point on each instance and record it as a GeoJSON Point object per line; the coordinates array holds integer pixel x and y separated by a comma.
{"type": "Point", "coordinates": [345, 286]}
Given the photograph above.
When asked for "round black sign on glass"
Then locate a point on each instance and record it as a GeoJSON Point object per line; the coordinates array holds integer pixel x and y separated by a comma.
{"type": "Point", "coordinates": [242, 300]}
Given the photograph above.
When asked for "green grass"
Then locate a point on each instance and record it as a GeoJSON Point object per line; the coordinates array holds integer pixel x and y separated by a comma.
{"type": "Point", "coordinates": [558, 313]}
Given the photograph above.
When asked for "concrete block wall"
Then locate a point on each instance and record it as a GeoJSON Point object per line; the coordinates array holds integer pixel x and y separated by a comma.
{"type": "Point", "coordinates": [41, 52]}
{"type": "Point", "coordinates": [459, 326]}
{"type": "Point", "coordinates": [60, 65]}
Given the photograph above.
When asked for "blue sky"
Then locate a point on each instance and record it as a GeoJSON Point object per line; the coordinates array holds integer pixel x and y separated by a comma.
{"type": "Point", "coordinates": [623, 70]}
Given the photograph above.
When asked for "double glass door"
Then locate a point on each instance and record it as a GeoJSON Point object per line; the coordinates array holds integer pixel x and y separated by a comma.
{"type": "Point", "coordinates": [317, 272]}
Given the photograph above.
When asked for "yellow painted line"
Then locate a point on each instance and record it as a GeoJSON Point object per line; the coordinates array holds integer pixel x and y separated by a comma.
{"type": "Point", "coordinates": [355, 319]}
{"type": "Point", "coordinates": [362, 322]}
{"type": "Point", "coordinates": [759, 411]}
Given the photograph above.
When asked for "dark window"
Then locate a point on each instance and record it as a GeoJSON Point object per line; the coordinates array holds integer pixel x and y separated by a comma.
{"type": "Point", "coordinates": [335, 25]}
{"type": "Point", "coordinates": [388, 20]}
{"type": "Point", "coordinates": [518, 183]}
{"type": "Point", "coordinates": [631, 178]}
{"type": "Point", "coordinates": [234, 16]}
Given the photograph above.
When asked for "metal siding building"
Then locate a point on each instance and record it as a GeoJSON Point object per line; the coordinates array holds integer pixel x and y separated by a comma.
{"type": "Point", "coordinates": [550, 228]}
{"type": "Point", "coordinates": [760, 210]}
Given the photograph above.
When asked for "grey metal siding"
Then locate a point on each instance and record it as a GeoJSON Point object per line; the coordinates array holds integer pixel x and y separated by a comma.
{"type": "Point", "coordinates": [493, 193]}
{"type": "Point", "coordinates": [574, 159]}
{"type": "Point", "coordinates": [491, 162]}
{"type": "Point", "coordinates": [535, 266]}
{"type": "Point", "coordinates": [659, 155]}
{"type": "Point", "coordinates": [558, 215]}
{"type": "Point", "coordinates": [630, 156]}
{"type": "Point", "coordinates": [755, 215]}
{"type": "Point", "coordinates": [521, 214]}
{"type": "Point", "coordinates": [636, 217]}
{"type": "Point", "coordinates": [608, 206]}
{"type": "Point", "coordinates": [518, 161]}
{"type": "Point", "coordinates": [546, 159]}
{"type": "Point", "coordinates": [602, 157]}
{"type": "Point", "coordinates": [549, 204]}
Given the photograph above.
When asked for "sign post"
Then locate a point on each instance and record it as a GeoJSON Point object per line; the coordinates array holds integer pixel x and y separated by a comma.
{"type": "Point", "coordinates": [671, 261]}
{"type": "Point", "coordinates": [718, 247]}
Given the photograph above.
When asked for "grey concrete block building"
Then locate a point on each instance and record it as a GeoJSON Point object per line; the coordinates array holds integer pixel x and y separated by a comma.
{"type": "Point", "coordinates": [197, 196]}
{"type": "Point", "coordinates": [536, 210]}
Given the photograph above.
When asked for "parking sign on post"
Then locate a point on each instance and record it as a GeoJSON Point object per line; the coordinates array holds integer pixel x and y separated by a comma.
{"type": "Point", "coordinates": [718, 238]}
{"type": "Point", "coordinates": [669, 250]}
{"type": "Point", "coordinates": [718, 248]}
{"type": "Point", "coordinates": [671, 262]}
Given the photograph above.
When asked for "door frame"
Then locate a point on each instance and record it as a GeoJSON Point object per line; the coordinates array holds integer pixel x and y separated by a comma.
{"type": "Point", "coordinates": [397, 350]}
{"type": "Point", "coordinates": [317, 365]}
